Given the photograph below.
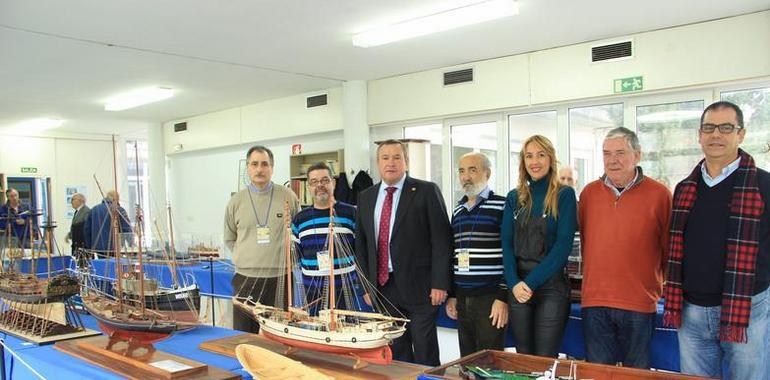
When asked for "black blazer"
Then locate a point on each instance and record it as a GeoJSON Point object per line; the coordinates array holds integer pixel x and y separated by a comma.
{"type": "Point", "coordinates": [420, 244]}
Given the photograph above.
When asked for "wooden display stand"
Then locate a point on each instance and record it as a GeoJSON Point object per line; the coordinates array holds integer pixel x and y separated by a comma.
{"type": "Point", "coordinates": [144, 363]}
{"type": "Point", "coordinates": [510, 361]}
{"type": "Point", "coordinates": [336, 366]}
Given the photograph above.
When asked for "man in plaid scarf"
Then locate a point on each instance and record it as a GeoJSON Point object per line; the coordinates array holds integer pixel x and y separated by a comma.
{"type": "Point", "coordinates": [719, 267]}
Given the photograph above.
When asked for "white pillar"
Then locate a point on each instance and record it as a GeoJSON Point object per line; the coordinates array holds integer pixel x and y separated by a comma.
{"type": "Point", "coordinates": [355, 127]}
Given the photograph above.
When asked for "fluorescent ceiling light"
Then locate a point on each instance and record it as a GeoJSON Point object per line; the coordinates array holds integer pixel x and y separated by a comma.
{"type": "Point", "coordinates": [438, 22]}
{"type": "Point", "coordinates": [37, 125]}
{"type": "Point", "coordinates": [137, 98]}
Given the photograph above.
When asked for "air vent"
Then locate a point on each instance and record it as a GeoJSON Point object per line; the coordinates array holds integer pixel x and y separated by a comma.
{"type": "Point", "coordinates": [315, 101]}
{"type": "Point", "coordinates": [618, 50]}
{"type": "Point", "coordinates": [180, 127]}
{"type": "Point", "coordinates": [459, 76]}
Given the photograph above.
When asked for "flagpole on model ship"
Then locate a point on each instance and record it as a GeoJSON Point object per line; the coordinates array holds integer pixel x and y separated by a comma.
{"type": "Point", "coordinates": [332, 291]}
{"type": "Point", "coordinates": [115, 226]}
{"type": "Point", "coordinates": [287, 243]}
{"type": "Point", "coordinates": [172, 247]}
{"type": "Point", "coordinates": [139, 226]}
{"type": "Point", "coordinates": [49, 224]}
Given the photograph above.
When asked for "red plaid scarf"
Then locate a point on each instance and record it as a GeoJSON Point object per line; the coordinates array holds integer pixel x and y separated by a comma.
{"type": "Point", "coordinates": [746, 207]}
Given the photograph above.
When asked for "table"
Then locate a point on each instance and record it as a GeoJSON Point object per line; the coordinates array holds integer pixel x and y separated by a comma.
{"type": "Point", "coordinates": [665, 344]}
{"type": "Point", "coordinates": [53, 364]}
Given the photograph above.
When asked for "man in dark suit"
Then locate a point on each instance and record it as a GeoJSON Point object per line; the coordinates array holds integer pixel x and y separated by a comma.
{"type": "Point", "coordinates": [404, 247]}
{"type": "Point", "coordinates": [76, 234]}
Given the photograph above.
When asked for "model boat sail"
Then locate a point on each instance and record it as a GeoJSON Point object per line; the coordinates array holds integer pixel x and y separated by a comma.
{"type": "Point", "coordinates": [37, 308]}
{"type": "Point", "coordinates": [134, 307]}
{"type": "Point", "coordinates": [365, 335]}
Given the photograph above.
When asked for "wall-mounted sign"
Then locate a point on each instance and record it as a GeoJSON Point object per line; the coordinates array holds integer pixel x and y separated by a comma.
{"type": "Point", "coordinates": [296, 149]}
{"type": "Point", "coordinates": [27, 169]}
{"type": "Point", "coordinates": [628, 84]}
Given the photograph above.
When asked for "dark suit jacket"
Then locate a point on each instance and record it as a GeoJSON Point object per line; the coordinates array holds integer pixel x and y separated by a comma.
{"type": "Point", "coordinates": [76, 229]}
{"type": "Point", "coordinates": [420, 244]}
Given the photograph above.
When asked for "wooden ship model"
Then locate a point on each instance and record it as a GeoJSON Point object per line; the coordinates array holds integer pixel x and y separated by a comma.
{"type": "Point", "coordinates": [363, 335]}
{"type": "Point", "coordinates": [135, 308]}
{"type": "Point", "coordinates": [36, 308]}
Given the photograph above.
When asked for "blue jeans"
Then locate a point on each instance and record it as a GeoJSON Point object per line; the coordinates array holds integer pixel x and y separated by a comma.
{"type": "Point", "coordinates": [615, 335]}
{"type": "Point", "coordinates": [701, 353]}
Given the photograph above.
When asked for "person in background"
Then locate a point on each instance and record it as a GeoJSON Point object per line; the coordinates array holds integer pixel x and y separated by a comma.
{"type": "Point", "coordinates": [76, 234]}
{"type": "Point", "coordinates": [478, 298]}
{"type": "Point", "coordinates": [538, 229]}
{"type": "Point", "coordinates": [623, 219]}
{"type": "Point", "coordinates": [97, 229]}
{"type": "Point", "coordinates": [568, 176]}
{"type": "Point", "coordinates": [254, 233]}
{"type": "Point", "coordinates": [718, 284]}
{"type": "Point", "coordinates": [310, 228]}
{"type": "Point", "coordinates": [404, 246]}
{"type": "Point", "coordinates": [14, 216]}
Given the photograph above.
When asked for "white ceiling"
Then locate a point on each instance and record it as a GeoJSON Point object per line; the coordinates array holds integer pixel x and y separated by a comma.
{"type": "Point", "coordinates": [62, 59]}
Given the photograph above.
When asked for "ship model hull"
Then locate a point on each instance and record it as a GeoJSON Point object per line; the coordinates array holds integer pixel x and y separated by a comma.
{"type": "Point", "coordinates": [126, 322]}
{"type": "Point", "coordinates": [28, 288]}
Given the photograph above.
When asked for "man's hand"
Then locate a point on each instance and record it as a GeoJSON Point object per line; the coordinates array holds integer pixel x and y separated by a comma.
{"type": "Point", "coordinates": [499, 314]}
{"type": "Point", "coordinates": [522, 292]}
{"type": "Point", "coordinates": [451, 307]}
{"type": "Point", "coordinates": [367, 299]}
{"type": "Point", "coordinates": [437, 296]}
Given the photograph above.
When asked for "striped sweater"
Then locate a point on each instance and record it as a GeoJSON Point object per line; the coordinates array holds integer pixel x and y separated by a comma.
{"type": "Point", "coordinates": [310, 228]}
{"type": "Point", "coordinates": [478, 231]}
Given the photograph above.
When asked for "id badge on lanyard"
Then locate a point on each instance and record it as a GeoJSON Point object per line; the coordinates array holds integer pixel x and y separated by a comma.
{"type": "Point", "coordinates": [323, 260]}
{"type": "Point", "coordinates": [464, 260]}
{"type": "Point", "coordinates": [263, 235]}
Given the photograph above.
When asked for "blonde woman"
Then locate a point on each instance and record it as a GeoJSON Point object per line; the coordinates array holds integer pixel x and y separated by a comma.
{"type": "Point", "coordinates": [538, 228]}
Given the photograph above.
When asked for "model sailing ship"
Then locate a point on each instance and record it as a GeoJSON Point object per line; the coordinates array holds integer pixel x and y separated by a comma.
{"type": "Point", "coordinates": [36, 308]}
{"type": "Point", "coordinates": [135, 308]}
{"type": "Point", "coordinates": [366, 336]}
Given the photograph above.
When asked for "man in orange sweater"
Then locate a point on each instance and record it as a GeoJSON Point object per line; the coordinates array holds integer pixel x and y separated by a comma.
{"type": "Point", "coordinates": [624, 219]}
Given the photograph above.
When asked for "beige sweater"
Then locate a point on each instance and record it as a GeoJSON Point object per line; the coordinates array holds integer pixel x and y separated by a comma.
{"type": "Point", "coordinates": [252, 259]}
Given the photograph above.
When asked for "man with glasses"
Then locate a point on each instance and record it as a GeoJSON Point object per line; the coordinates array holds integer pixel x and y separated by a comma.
{"type": "Point", "coordinates": [254, 233]}
{"type": "Point", "coordinates": [310, 228]}
{"type": "Point", "coordinates": [719, 267]}
{"type": "Point", "coordinates": [623, 218]}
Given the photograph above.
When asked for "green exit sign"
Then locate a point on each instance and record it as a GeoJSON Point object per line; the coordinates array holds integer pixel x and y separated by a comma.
{"type": "Point", "coordinates": [28, 170]}
{"type": "Point", "coordinates": [628, 84]}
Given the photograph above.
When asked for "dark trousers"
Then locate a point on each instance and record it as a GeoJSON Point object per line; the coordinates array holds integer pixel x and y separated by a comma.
{"type": "Point", "coordinates": [260, 289]}
{"type": "Point", "coordinates": [474, 327]}
{"type": "Point", "coordinates": [615, 335]}
{"type": "Point", "coordinates": [419, 344]}
{"type": "Point", "coordinates": [538, 325]}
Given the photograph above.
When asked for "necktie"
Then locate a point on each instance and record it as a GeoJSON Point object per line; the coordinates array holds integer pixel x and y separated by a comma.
{"type": "Point", "coordinates": [383, 247]}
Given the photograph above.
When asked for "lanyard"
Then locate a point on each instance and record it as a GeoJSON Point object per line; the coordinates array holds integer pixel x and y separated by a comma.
{"type": "Point", "coordinates": [269, 205]}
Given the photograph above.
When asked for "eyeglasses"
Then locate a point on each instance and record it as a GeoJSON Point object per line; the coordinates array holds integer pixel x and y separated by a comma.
{"type": "Point", "coordinates": [324, 181]}
{"type": "Point", "coordinates": [723, 128]}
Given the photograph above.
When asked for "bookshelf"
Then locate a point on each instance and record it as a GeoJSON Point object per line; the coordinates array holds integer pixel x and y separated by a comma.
{"type": "Point", "coordinates": [299, 163]}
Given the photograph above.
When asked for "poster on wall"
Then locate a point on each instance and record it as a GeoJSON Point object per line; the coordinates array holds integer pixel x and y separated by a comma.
{"type": "Point", "coordinates": [69, 191]}
{"type": "Point", "coordinates": [243, 177]}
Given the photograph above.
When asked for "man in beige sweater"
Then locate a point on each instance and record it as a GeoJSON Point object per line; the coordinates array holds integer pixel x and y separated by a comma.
{"type": "Point", "coordinates": [254, 233]}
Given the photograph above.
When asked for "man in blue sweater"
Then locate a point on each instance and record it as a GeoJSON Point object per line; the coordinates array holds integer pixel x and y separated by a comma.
{"type": "Point", "coordinates": [479, 293]}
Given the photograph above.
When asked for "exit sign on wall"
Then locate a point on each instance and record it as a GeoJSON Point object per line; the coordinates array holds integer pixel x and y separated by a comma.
{"type": "Point", "coordinates": [28, 170]}
{"type": "Point", "coordinates": [628, 84]}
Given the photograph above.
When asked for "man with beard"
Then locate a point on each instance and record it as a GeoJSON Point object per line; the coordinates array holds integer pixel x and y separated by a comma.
{"type": "Point", "coordinates": [479, 292]}
{"type": "Point", "coordinates": [310, 228]}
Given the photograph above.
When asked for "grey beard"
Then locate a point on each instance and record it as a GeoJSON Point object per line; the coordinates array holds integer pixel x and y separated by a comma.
{"type": "Point", "coordinates": [474, 190]}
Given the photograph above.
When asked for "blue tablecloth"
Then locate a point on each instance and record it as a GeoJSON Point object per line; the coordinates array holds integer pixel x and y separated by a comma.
{"type": "Point", "coordinates": [665, 344]}
{"type": "Point", "coordinates": [202, 272]}
{"type": "Point", "coordinates": [54, 364]}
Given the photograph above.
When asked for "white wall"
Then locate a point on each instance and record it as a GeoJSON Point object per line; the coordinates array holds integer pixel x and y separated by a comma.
{"type": "Point", "coordinates": [693, 55]}
{"type": "Point", "coordinates": [200, 182]}
{"type": "Point", "coordinates": [68, 161]}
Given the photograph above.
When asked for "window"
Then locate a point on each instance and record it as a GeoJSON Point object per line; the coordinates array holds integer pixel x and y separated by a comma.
{"type": "Point", "coordinates": [521, 127]}
{"type": "Point", "coordinates": [587, 128]}
{"type": "Point", "coordinates": [433, 133]}
{"type": "Point", "coordinates": [668, 134]}
{"type": "Point", "coordinates": [466, 138]}
{"type": "Point", "coordinates": [755, 104]}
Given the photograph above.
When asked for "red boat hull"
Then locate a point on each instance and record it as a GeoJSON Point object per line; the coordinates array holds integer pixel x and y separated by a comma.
{"type": "Point", "coordinates": [139, 336]}
{"type": "Point", "coordinates": [381, 355]}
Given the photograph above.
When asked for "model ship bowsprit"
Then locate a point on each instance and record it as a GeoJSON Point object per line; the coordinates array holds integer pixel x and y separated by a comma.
{"type": "Point", "coordinates": [363, 335]}
{"type": "Point", "coordinates": [36, 308]}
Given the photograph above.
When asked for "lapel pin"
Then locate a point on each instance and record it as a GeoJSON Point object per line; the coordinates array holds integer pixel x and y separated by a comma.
{"type": "Point", "coordinates": [414, 189]}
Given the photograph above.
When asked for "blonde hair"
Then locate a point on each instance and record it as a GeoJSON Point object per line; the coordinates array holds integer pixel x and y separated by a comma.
{"type": "Point", "coordinates": [551, 202]}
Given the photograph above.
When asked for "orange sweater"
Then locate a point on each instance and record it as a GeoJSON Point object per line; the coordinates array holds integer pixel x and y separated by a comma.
{"type": "Point", "coordinates": [624, 244]}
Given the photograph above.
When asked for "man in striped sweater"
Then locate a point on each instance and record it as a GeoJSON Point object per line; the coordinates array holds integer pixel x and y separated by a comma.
{"type": "Point", "coordinates": [310, 228]}
{"type": "Point", "coordinates": [478, 295]}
